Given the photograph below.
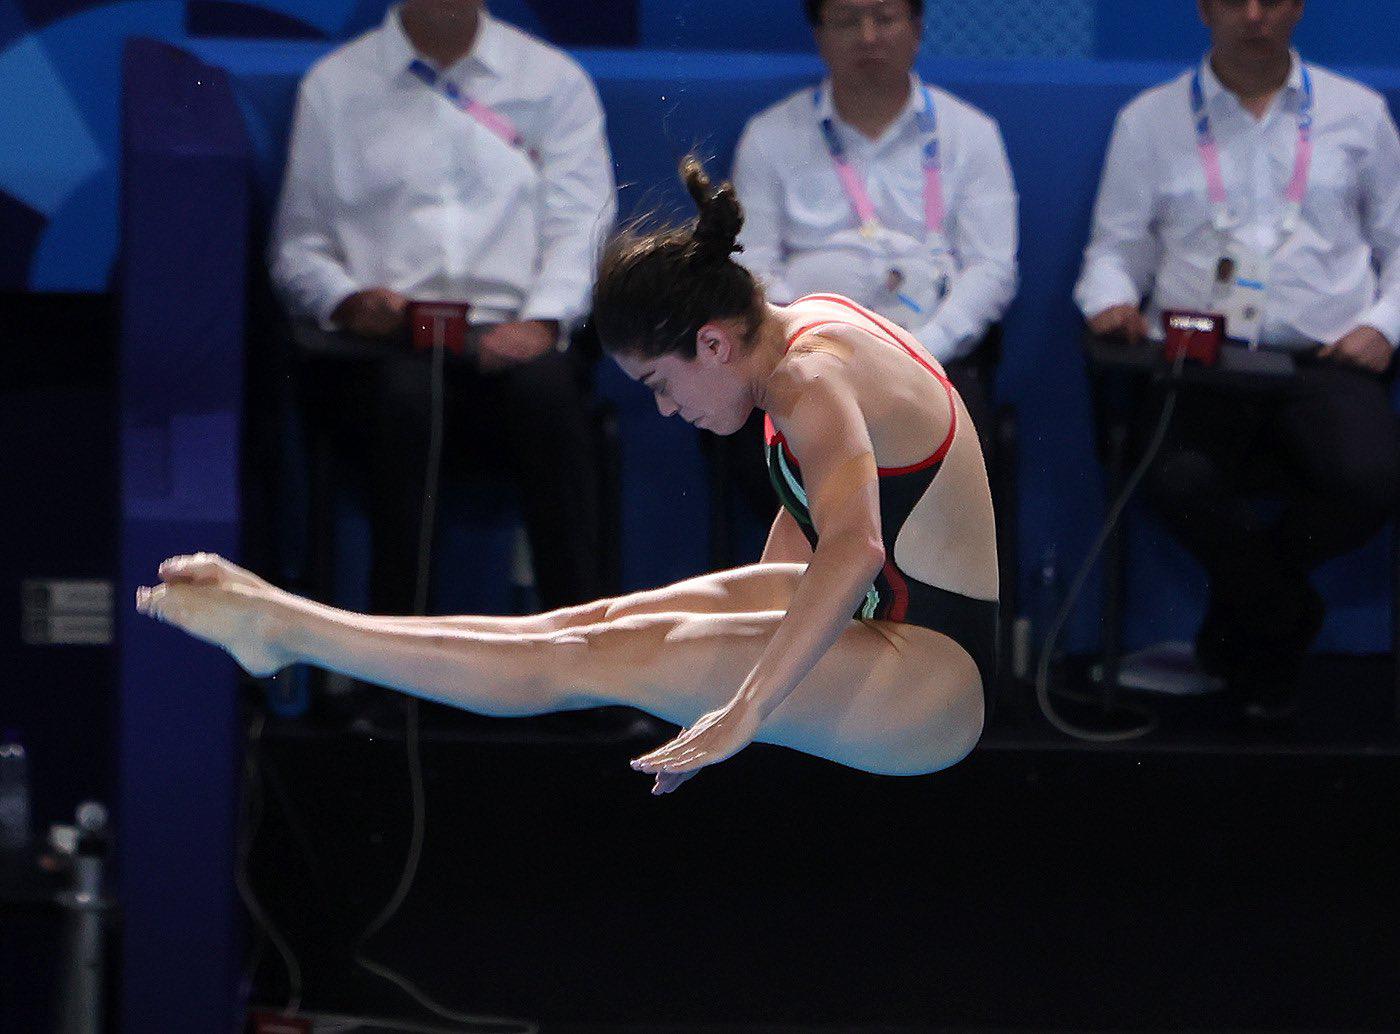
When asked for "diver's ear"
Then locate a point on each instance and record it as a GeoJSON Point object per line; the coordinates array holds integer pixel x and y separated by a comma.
{"type": "Point", "coordinates": [713, 342]}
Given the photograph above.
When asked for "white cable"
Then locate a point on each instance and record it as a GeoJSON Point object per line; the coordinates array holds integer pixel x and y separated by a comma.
{"type": "Point", "coordinates": [420, 605]}
{"type": "Point", "coordinates": [433, 474]}
{"type": "Point", "coordinates": [488, 1024]}
{"type": "Point", "coordinates": [1042, 674]}
{"type": "Point", "coordinates": [482, 1024]}
{"type": "Point", "coordinates": [336, 1023]}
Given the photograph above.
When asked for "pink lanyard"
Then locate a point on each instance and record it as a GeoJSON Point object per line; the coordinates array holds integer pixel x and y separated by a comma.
{"type": "Point", "coordinates": [1210, 156]}
{"type": "Point", "coordinates": [934, 213]}
{"type": "Point", "coordinates": [488, 117]}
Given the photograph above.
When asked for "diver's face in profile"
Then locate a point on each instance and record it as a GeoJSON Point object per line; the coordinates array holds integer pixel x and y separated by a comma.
{"type": "Point", "coordinates": [710, 391]}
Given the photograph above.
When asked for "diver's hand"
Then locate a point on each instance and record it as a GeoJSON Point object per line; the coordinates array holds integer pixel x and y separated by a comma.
{"type": "Point", "coordinates": [720, 734]}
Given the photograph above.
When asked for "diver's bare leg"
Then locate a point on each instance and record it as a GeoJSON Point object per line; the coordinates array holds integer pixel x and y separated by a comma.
{"type": "Point", "coordinates": [885, 698]}
{"type": "Point", "coordinates": [740, 590]}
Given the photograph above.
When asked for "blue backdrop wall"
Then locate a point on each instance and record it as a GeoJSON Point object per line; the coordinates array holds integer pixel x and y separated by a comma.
{"type": "Point", "coordinates": [59, 89]}
{"type": "Point", "coordinates": [59, 60]}
{"type": "Point", "coordinates": [1333, 32]}
{"type": "Point", "coordinates": [662, 103]}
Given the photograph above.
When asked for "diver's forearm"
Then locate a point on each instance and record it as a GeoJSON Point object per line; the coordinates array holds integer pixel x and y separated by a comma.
{"type": "Point", "coordinates": [841, 571]}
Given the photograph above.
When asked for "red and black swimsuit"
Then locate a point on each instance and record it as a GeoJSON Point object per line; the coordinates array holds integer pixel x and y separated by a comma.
{"type": "Point", "coordinates": [896, 595]}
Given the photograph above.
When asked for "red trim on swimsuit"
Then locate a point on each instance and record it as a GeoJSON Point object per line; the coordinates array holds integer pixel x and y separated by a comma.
{"type": "Point", "coordinates": [809, 328]}
{"type": "Point", "coordinates": [891, 334]}
{"type": "Point", "coordinates": [773, 436]}
{"type": "Point", "coordinates": [899, 606]}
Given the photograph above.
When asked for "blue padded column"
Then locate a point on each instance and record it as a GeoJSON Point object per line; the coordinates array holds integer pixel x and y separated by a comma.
{"type": "Point", "coordinates": [183, 256]}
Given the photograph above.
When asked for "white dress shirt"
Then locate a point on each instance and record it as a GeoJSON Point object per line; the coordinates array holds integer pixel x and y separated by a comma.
{"type": "Point", "coordinates": [1154, 227]}
{"type": "Point", "coordinates": [801, 234]}
{"type": "Point", "coordinates": [390, 184]}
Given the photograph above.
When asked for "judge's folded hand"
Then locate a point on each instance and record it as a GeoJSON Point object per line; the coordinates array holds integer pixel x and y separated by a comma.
{"type": "Point", "coordinates": [1123, 322]}
{"type": "Point", "coordinates": [511, 344]}
{"type": "Point", "coordinates": [377, 312]}
{"type": "Point", "coordinates": [1365, 347]}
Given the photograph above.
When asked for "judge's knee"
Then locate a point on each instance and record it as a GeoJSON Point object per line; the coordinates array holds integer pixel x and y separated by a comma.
{"type": "Point", "coordinates": [1180, 479]}
{"type": "Point", "coordinates": [1367, 479]}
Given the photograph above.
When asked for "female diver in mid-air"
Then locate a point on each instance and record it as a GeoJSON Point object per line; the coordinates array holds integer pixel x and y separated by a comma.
{"type": "Point", "coordinates": [886, 516]}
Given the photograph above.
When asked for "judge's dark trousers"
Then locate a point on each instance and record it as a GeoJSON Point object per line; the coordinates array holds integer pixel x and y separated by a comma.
{"type": "Point", "coordinates": [1324, 442]}
{"type": "Point", "coordinates": [532, 421]}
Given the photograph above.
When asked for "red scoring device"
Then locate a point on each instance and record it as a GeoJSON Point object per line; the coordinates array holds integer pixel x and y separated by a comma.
{"type": "Point", "coordinates": [438, 324]}
{"type": "Point", "coordinates": [1197, 334]}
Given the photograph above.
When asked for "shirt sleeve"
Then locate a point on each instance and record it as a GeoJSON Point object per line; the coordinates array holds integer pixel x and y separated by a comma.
{"type": "Point", "coordinates": [1122, 256]}
{"type": "Point", "coordinates": [760, 189]}
{"type": "Point", "coordinates": [578, 205]}
{"type": "Point", "coordinates": [305, 261]}
{"type": "Point", "coordinates": [1380, 192]}
{"type": "Point", "coordinates": [983, 233]}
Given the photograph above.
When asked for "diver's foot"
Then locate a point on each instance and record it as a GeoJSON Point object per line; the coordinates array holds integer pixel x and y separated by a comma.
{"type": "Point", "coordinates": [210, 569]}
{"type": "Point", "coordinates": [216, 601]}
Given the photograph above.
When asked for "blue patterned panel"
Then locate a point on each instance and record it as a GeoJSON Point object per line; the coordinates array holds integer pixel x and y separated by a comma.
{"type": "Point", "coordinates": [84, 49]}
{"type": "Point", "coordinates": [1009, 28]}
{"type": "Point", "coordinates": [46, 149]}
{"type": "Point", "coordinates": [953, 28]}
{"type": "Point", "coordinates": [59, 84]}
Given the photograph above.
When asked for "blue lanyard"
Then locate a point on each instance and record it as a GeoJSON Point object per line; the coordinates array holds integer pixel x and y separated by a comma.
{"type": "Point", "coordinates": [489, 118]}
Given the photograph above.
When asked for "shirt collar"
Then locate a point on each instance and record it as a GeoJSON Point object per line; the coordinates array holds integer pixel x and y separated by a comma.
{"type": "Point", "coordinates": [488, 49]}
{"type": "Point", "coordinates": [1214, 88]}
{"type": "Point", "coordinates": [826, 107]}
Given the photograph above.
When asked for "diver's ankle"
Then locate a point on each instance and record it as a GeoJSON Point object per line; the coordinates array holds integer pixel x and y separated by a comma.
{"type": "Point", "coordinates": [281, 629]}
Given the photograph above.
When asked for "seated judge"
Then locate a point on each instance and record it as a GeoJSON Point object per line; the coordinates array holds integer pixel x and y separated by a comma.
{"type": "Point", "coordinates": [885, 188]}
{"type": "Point", "coordinates": [1263, 188]}
{"type": "Point", "coordinates": [449, 156]}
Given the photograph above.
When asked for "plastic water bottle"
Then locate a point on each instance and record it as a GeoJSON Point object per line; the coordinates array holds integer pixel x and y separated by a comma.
{"type": "Point", "coordinates": [80, 1003]}
{"type": "Point", "coordinates": [14, 794]}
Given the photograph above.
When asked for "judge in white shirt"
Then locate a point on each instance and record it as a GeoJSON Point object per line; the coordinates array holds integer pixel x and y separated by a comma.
{"type": "Point", "coordinates": [1265, 189]}
{"type": "Point", "coordinates": [889, 190]}
{"type": "Point", "coordinates": [448, 156]}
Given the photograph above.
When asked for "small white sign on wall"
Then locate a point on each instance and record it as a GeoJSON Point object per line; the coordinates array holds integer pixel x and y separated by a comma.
{"type": "Point", "coordinates": [67, 612]}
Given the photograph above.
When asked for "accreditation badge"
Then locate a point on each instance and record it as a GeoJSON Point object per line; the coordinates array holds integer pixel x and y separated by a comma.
{"type": "Point", "coordinates": [910, 277]}
{"type": "Point", "coordinates": [1238, 294]}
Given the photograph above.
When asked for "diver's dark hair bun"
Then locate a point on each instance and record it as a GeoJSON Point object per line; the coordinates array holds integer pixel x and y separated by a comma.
{"type": "Point", "coordinates": [658, 284]}
{"type": "Point", "coordinates": [717, 227]}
